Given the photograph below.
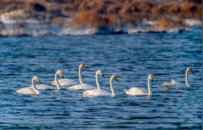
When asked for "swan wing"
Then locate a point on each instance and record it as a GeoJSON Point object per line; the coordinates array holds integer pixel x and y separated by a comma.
{"type": "Point", "coordinates": [26, 91]}
{"type": "Point", "coordinates": [136, 91]}
{"type": "Point", "coordinates": [96, 92]}
{"type": "Point", "coordinates": [88, 93]}
{"type": "Point", "coordinates": [81, 86]}
{"type": "Point", "coordinates": [53, 82]}
{"type": "Point", "coordinates": [171, 85]}
{"type": "Point", "coordinates": [65, 82]}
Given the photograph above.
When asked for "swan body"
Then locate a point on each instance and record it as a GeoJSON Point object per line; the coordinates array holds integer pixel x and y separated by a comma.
{"type": "Point", "coordinates": [176, 85]}
{"type": "Point", "coordinates": [27, 91]}
{"type": "Point", "coordinates": [100, 92]}
{"type": "Point", "coordinates": [134, 91]}
{"type": "Point", "coordinates": [65, 82]}
{"type": "Point", "coordinates": [96, 92]}
{"type": "Point", "coordinates": [70, 82]}
{"type": "Point", "coordinates": [171, 85]}
{"type": "Point", "coordinates": [44, 86]}
{"type": "Point", "coordinates": [85, 86]}
{"type": "Point", "coordinates": [81, 86]}
{"type": "Point", "coordinates": [30, 90]}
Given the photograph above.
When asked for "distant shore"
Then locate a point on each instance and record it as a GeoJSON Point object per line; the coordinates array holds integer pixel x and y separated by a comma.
{"type": "Point", "coordinates": [103, 16]}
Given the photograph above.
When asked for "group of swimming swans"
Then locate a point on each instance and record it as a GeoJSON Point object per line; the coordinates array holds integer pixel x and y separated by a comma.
{"type": "Point", "coordinates": [91, 90]}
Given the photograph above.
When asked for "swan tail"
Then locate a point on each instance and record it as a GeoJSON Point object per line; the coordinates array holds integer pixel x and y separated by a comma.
{"type": "Point", "coordinates": [52, 82]}
{"type": "Point", "coordinates": [127, 91]}
{"type": "Point", "coordinates": [173, 81]}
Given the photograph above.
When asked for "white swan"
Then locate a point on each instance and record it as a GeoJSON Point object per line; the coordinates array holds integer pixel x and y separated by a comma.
{"type": "Point", "coordinates": [85, 86]}
{"type": "Point", "coordinates": [139, 91]}
{"type": "Point", "coordinates": [30, 90]}
{"type": "Point", "coordinates": [44, 86]}
{"type": "Point", "coordinates": [175, 85]}
{"type": "Point", "coordinates": [70, 82]}
{"type": "Point", "coordinates": [100, 92]}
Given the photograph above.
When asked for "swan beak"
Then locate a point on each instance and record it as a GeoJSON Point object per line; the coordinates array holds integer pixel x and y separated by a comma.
{"type": "Point", "coordinates": [102, 74]}
{"type": "Point", "coordinates": [62, 75]}
{"type": "Point", "coordinates": [85, 66]}
{"type": "Point", "coordinates": [38, 80]}
{"type": "Point", "coordinates": [192, 72]}
{"type": "Point", "coordinates": [116, 79]}
{"type": "Point", "coordinates": [151, 78]}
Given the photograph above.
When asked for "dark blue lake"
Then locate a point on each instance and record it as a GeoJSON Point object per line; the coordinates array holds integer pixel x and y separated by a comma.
{"type": "Point", "coordinates": [130, 57]}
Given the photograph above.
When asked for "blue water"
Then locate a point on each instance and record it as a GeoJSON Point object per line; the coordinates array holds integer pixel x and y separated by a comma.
{"type": "Point", "coordinates": [130, 57]}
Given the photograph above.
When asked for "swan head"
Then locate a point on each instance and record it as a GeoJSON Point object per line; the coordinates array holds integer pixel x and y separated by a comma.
{"type": "Point", "coordinates": [190, 70]}
{"type": "Point", "coordinates": [83, 66]}
{"type": "Point", "coordinates": [100, 73]}
{"type": "Point", "coordinates": [150, 77]}
{"type": "Point", "coordinates": [115, 78]}
{"type": "Point", "coordinates": [36, 79]}
{"type": "Point", "coordinates": [59, 72]}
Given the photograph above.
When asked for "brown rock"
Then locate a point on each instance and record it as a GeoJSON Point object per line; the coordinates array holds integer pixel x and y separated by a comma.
{"type": "Point", "coordinates": [34, 6]}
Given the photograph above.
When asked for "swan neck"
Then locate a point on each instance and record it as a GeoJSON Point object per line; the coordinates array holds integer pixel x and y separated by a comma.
{"type": "Point", "coordinates": [34, 87]}
{"type": "Point", "coordinates": [112, 89]}
{"type": "Point", "coordinates": [98, 87]}
{"type": "Point", "coordinates": [186, 78]}
{"type": "Point", "coordinates": [149, 88]}
{"type": "Point", "coordinates": [56, 81]}
{"type": "Point", "coordinates": [80, 77]}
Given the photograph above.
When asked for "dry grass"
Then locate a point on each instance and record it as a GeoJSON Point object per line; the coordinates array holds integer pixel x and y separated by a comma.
{"type": "Point", "coordinates": [166, 8]}
{"type": "Point", "coordinates": [11, 7]}
{"type": "Point", "coordinates": [132, 7]}
{"type": "Point", "coordinates": [105, 13]}
{"type": "Point", "coordinates": [113, 9]}
{"type": "Point", "coordinates": [92, 19]}
{"type": "Point", "coordinates": [55, 1]}
{"type": "Point", "coordinates": [199, 12]}
{"type": "Point", "coordinates": [167, 23]}
{"type": "Point", "coordinates": [7, 4]}
{"type": "Point", "coordinates": [94, 6]}
{"type": "Point", "coordinates": [188, 10]}
{"type": "Point", "coordinates": [183, 10]}
{"type": "Point", "coordinates": [58, 21]}
{"type": "Point", "coordinates": [54, 10]}
{"type": "Point", "coordinates": [68, 8]}
{"type": "Point", "coordinates": [144, 6]}
{"type": "Point", "coordinates": [195, 1]}
{"type": "Point", "coordinates": [187, 7]}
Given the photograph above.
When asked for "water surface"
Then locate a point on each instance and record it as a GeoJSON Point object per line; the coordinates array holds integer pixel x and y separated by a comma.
{"type": "Point", "coordinates": [131, 57]}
